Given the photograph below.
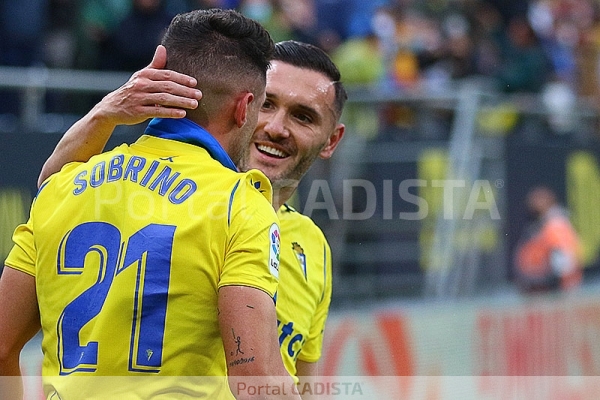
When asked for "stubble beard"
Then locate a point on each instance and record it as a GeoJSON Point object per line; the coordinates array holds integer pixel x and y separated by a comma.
{"type": "Point", "coordinates": [238, 151]}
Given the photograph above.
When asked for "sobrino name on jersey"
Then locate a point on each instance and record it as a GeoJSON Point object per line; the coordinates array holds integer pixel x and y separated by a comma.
{"type": "Point", "coordinates": [155, 176]}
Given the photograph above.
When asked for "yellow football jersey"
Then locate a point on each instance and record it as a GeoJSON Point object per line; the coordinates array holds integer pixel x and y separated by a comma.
{"type": "Point", "coordinates": [304, 292]}
{"type": "Point", "coordinates": [129, 250]}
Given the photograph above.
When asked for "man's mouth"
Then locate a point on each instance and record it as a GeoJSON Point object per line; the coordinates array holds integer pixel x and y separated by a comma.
{"type": "Point", "coordinates": [271, 151]}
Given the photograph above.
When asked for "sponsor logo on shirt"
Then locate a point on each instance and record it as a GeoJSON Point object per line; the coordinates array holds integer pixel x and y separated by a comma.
{"type": "Point", "coordinates": [274, 250]}
{"type": "Point", "coordinates": [290, 340]}
{"type": "Point", "coordinates": [300, 255]}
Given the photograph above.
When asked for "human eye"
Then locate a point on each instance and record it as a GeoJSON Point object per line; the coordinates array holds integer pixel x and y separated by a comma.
{"type": "Point", "coordinates": [304, 118]}
{"type": "Point", "coordinates": [267, 105]}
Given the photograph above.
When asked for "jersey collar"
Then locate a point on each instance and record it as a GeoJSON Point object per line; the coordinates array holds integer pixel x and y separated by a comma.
{"type": "Point", "coordinates": [186, 131]}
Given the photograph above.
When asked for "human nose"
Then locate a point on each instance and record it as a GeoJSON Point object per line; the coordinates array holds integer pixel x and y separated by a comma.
{"type": "Point", "coordinates": [275, 125]}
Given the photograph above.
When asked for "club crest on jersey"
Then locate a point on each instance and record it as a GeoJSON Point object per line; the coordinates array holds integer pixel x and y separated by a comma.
{"type": "Point", "coordinates": [274, 249]}
{"type": "Point", "coordinates": [300, 256]}
{"type": "Point", "coordinates": [257, 185]}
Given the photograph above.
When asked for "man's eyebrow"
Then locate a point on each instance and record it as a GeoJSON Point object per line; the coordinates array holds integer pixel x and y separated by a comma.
{"type": "Point", "coordinates": [270, 95]}
{"type": "Point", "coordinates": [298, 107]}
{"type": "Point", "coordinates": [309, 110]}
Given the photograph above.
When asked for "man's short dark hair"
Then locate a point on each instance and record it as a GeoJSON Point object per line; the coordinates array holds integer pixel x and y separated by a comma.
{"type": "Point", "coordinates": [304, 55]}
{"type": "Point", "coordinates": [222, 49]}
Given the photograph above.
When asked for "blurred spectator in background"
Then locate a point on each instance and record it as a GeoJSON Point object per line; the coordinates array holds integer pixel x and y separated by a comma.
{"type": "Point", "coordinates": [588, 51]}
{"type": "Point", "coordinates": [60, 50]}
{"type": "Point", "coordinates": [559, 37]}
{"type": "Point", "coordinates": [60, 43]}
{"type": "Point", "coordinates": [205, 4]}
{"type": "Point", "coordinates": [341, 20]}
{"type": "Point", "coordinates": [271, 15]}
{"type": "Point", "coordinates": [537, 46]}
{"type": "Point", "coordinates": [133, 42]}
{"type": "Point", "coordinates": [510, 9]}
{"type": "Point", "coordinates": [302, 18]}
{"type": "Point", "coordinates": [361, 60]}
{"type": "Point", "coordinates": [524, 65]}
{"type": "Point", "coordinates": [333, 18]}
{"type": "Point", "coordinates": [449, 51]}
{"type": "Point", "coordinates": [548, 256]}
{"type": "Point", "coordinates": [97, 20]}
{"type": "Point", "coordinates": [487, 30]}
{"type": "Point", "coordinates": [103, 25]}
{"type": "Point", "coordinates": [22, 28]}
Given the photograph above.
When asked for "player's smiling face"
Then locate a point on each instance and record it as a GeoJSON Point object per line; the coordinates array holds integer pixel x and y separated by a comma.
{"type": "Point", "coordinates": [296, 124]}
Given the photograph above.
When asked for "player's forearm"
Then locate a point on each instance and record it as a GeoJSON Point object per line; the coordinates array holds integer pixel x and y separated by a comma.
{"type": "Point", "coordinates": [305, 368]}
{"type": "Point", "coordinates": [11, 384]}
{"type": "Point", "coordinates": [265, 379]}
{"type": "Point", "coordinates": [19, 322]}
{"type": "Point", "coordinates": [86, 138]}
{"type": "Point", "coordinates": [9, 362]}
{"type": "Point", "coordinates": [11, 387]}
{"type": "Point", "coordinates": [247, 320]}
{"type": "Point", "coordinates": [308, 376]}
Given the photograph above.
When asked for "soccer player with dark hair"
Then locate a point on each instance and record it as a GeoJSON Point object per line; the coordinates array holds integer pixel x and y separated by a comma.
{"type": "Point", "coordinates": [158, 258]}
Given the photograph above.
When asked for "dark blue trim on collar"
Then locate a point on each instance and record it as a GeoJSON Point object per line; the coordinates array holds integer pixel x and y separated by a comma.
{"type": "Point", "coordinates": [186, 131]}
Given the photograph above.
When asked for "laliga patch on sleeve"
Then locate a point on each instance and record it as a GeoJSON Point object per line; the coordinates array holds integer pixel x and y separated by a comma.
{"type": "Point", "coordinates": [274, 250]}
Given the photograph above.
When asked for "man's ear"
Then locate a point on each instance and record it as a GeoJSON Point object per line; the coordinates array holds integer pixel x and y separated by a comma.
{"type": "Point", "coordinates": [241, 109]}
{"type": "Point", "coordinates": [333, 141]}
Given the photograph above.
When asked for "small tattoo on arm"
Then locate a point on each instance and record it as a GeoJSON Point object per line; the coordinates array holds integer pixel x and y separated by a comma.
{"type": "Point", "coordinates": [238, 351]}
{"type": "Point", "coordinates": [241, 360]}
{"type": "Point", "coordinates": [238, 341]}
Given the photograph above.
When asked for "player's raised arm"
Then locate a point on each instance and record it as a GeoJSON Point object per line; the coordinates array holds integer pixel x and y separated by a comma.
{"type": "Point", "coordinates": [249, 330]}
{"type": "Point", "coordinates": [149, 93]}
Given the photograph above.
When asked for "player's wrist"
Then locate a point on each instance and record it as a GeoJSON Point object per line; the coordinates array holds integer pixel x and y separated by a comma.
{"type": "Point", "coordinates": [102, 119]}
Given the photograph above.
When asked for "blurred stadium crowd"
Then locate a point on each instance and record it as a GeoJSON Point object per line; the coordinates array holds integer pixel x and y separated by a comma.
{"type": "Point", "coordinates": [522, 45]}
{"type": "Point", "coordinates": [548, 48]}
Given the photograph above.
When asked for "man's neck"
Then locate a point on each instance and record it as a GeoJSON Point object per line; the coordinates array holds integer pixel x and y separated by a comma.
{"type": "Point", "coordinates": [281, 195]}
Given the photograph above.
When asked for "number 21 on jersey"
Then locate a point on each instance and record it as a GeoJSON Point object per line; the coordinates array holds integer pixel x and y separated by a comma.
{"type": "Point", "coordinates": [149, 252]}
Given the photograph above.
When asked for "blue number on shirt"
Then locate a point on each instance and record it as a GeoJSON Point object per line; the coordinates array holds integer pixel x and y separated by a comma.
{"type": "Point", "coordinates": [149, 250]}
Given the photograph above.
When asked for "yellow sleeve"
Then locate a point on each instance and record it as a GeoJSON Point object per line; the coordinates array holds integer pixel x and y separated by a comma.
{"type": "Point", "coordinates": [23, 254]}
{"type": "Point", "coordinates": [252, 257]}
{"type": "Point", "coordinates": [311, 351]}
